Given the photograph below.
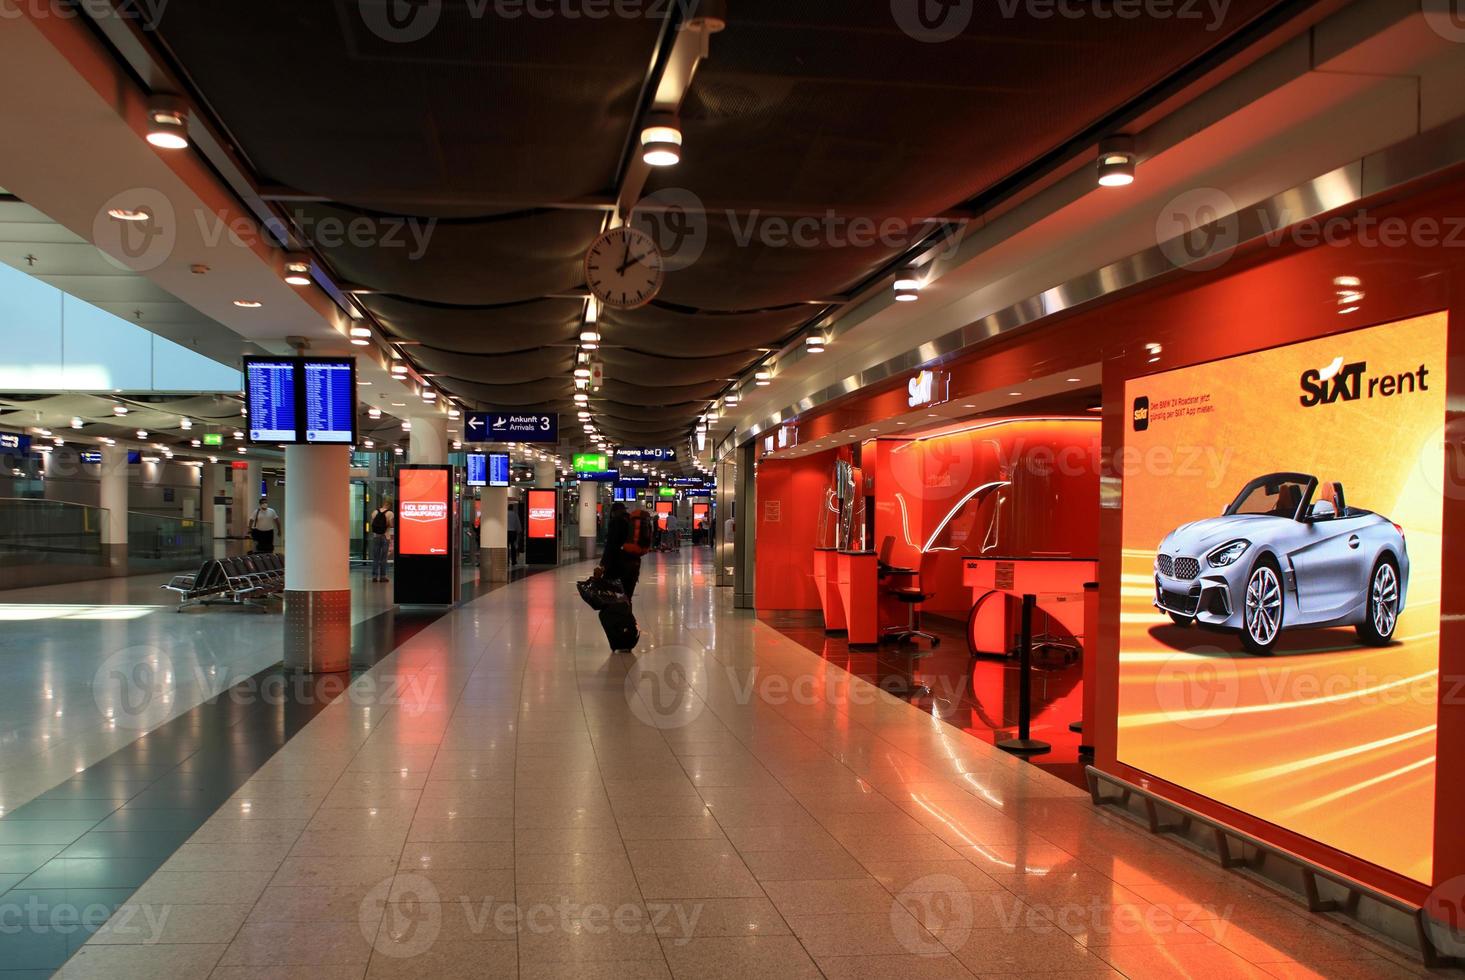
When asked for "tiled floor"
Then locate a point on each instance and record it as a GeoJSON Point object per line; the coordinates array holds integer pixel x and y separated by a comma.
{"type": "Point", "coordinates": [502, 797]}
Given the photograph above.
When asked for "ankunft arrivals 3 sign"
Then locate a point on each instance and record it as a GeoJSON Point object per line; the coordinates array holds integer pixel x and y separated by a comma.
{"type": "Point", "coordinates": [512, 427]}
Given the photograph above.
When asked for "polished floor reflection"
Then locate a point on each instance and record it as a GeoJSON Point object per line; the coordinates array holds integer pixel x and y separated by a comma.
{"type": "Point", "coordinates": [979, 695]}
{"type": "Point", "coordinates": [501, 796]}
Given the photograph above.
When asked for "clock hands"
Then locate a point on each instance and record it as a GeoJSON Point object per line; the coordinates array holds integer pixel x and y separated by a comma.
{"type": "Point", "coordinates": [620, 270]}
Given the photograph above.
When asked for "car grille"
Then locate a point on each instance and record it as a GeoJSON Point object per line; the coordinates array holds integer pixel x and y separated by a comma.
{"type": "Point", "coordinates": [1179, 602]}
{"type": "Point", "coordinates": [1184, 569]}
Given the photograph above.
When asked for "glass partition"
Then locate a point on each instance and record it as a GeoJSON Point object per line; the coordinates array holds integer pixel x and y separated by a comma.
{"type": "Point", "coordinates": [50, 532]}
{"type": "Point", "coordinates": [167, 541]}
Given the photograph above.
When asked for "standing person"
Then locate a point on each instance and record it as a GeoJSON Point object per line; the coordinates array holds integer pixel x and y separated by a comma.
{"type": "Point", "coordinates": [623, 548]}
{"type": "Point", "coordinates": [262, 527]}
{"type": "Point", "coordinates": [514, 528]}
{"type": "Point", "coordinates": [383, 525]}
{"type": "Point", "coordinates": [674, 531]}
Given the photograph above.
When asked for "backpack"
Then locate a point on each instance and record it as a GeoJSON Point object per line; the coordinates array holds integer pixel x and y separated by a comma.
{"type": "Point", "coordinates": [379, 522]}
{"type": "Point", "coordinates": [638, 542]}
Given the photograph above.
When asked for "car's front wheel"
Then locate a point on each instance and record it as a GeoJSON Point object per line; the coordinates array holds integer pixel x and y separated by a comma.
{"type": "Point", "coordinates": [1262, 608]}
{"type": "Point", "coordinates": [1382, 614]}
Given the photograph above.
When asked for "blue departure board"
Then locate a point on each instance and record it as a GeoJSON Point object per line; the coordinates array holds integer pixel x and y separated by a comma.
{"type": "Point", "coordinates": [498, 469]}
{"type": "Point", "coordinates": [330, 400]}
{"type": "Point", "coordinates": [269, 387]}
{"type": "Point", "coordinates": [477, 470]}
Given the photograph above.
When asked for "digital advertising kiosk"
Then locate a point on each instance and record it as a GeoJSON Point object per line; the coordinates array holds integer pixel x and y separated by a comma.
{"type": "Point", "coordinates": [428, 564]}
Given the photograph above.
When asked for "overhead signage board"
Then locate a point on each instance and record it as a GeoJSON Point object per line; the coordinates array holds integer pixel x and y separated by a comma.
{"type": "Point", "coordinates": [591, 476]}
{"type": "Point", "coordinates": [666, 492]}
{"type": "Point", "coordinates": [213, 438]}
{"type": "Point", "coordinates": [90, 456]}
{"type": "Point", "coordinates": [644, 453]}
{"type": "Point", "coordinates": [688, 481]}
{"type": "Point", "coordinates": [14, 442]}
{"type": "Point", "coordinates": [633, 481]}
{"type": "Point", "coordinates": [590, 463]}
{"type": "Point", "coordinates": [512, 427]}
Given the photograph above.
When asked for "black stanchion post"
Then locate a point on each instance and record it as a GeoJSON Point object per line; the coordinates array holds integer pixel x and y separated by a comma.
{"type": "Point", "coordinates": [1024, 744]}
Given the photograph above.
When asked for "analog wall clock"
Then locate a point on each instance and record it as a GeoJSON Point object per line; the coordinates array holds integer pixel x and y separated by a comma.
{"type": "Point", "coordinates": [624, 268]}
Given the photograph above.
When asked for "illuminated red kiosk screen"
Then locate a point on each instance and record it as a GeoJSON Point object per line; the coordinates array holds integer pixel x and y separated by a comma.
{"type": "Point", "coordinates": [422, 513]}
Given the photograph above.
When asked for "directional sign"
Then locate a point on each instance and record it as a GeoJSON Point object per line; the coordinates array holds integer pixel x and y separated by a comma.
{"type": "Point", "coordinates": [688, 481]}
{"type": "Point", "coordinates": [606, 476]}
{"type": "Point", "coordinates": [644, 453]}
{"type": "Point", "coordinates": [14, 442]}
{"type": "Point", "coordinates": [213, 438]}
{"type": "Point", "coordinates": [512, 427]}
{"type": "Point", "coordinates": [634, 481]}
{"type": "Point", "coordinates": [589, 463]}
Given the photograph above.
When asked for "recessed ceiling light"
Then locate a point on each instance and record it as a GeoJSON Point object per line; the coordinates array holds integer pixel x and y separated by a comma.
{"type": "Point", "coordinates": [297, 270]}
{"type": "Point", "coordinates": [248, 304]}
{"type": "Point", "coordinates": [363, 384]}
{"type": "Point", "coordinates": [1074, 380]}
{"type": "Point", "coordinates": [661, 140]}
{"type": "Point", "coordinates": [167, 123]}
{"type": "Point", "coordinates": [360, 342]}
{"type": "Point", "coordinates": [360, 331]}
{"type": "Point", "coordinates": [1014, 394]}
{"type": "Point", "coordinates": [1116, 161]}
{"type": "Point", "coordinates": [907, 290]}
{"type": "Point", "coordinates": [128, 214]}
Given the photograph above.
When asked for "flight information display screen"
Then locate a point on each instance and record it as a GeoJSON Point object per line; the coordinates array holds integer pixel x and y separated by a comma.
{"type": "Point", "coordinates": [477, 470]}
{"type": "Point", "coordinates": [330, 400]}
{"type": "Point", "coordinates": [301, 400]}
{"type": "Point", "coordinates": [498, 469]}
{"type": "Point", "coordinates": [269, 386]}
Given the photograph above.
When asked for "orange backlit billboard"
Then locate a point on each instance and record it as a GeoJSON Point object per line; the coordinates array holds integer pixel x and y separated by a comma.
{"type": "Point", "coordinates": [1279, 629]}
{"type": "Point", "coordinates": [422, 512]}
{"type": "Point", "coordinates": [542, 513]}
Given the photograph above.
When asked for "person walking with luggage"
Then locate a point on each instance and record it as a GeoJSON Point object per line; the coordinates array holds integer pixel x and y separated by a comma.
{"type": "Point", "coordinates": [627, 538]}
{"type": "Point", "coordinates": [383, 525]}
{"type": "Point", "coordinates": [262, 527]}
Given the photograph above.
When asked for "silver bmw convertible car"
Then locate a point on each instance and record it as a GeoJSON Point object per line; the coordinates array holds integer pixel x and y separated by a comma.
{"type": "Point", "coordinates": [1277, 559]}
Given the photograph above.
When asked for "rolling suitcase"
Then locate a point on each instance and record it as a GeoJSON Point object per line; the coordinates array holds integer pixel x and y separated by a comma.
{"type": "Point", "coordinates": [619, 624]}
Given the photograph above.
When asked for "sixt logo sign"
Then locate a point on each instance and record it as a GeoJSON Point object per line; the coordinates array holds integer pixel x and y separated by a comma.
{"type": "Point", "coordinates": [1141, 414]}
{"type": "Point", "coordinates": [1349, 381]}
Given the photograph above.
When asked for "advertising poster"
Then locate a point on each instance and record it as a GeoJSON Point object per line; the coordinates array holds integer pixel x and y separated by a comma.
{"type": "Point", "coordinates": [422, 512]}
{"type": "Point", "coordinates": [1279, 634]}
{"type": "Point", "coordinates": [542, 514]}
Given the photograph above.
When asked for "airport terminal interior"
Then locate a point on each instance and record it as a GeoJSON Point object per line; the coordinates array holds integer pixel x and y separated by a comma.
{"type": "Point", "coordinates": [722, 489]}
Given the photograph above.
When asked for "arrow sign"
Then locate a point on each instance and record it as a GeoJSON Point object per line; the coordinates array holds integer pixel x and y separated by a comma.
{"type": "Point", "coordinates": [513, 427]}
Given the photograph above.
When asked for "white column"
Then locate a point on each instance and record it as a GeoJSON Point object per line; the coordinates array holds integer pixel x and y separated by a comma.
{"type": "Point", "coordinates": [493, 533]}
{"type": "Point", "coordinates": [589, 497]}
{"type": "Point", "coordinates": [113, 498]}
{"type": "Point", "coordinates": [544, 474]}
{"type": "Point", "coordinates": [318, 566]}
{"type": "Point", "coordinates": [428, 440]}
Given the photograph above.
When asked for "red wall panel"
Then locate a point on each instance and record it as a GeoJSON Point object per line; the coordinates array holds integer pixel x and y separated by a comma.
{"type": "Point", "coordinates": [790, 495]}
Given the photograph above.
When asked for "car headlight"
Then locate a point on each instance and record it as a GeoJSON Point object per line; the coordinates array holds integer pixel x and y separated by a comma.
{"type": "Point", "coordinates": [1228, 553]}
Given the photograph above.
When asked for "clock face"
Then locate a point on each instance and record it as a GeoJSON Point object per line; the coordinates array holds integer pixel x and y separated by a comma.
{"type": "Point", "coordinates": [624, 269]}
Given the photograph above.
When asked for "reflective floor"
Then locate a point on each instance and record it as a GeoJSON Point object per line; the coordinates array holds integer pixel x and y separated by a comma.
{"type": "Point", "coordinates": [979, 695]}
{"type": "Point", "coordinates": [500, 796]}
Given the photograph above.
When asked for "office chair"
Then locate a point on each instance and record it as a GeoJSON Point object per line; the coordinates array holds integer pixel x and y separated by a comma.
{"type": "Point", "coordinates": [909, 593]}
